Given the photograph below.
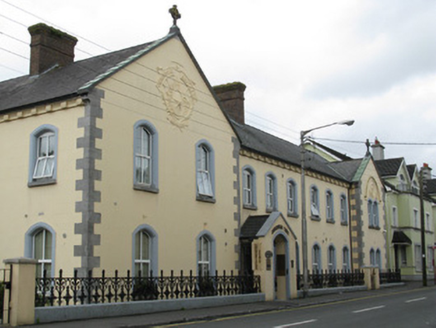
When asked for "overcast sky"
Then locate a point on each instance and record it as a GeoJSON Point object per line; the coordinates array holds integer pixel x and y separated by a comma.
{"type": "Point", "coordinates": [305, 63]}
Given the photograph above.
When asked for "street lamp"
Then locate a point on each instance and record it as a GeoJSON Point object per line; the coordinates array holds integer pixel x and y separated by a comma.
{"type": "Point", "coordinates": [303, 199]}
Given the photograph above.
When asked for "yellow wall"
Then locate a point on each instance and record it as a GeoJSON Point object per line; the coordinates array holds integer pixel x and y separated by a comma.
{"type": "Point", "coordinates": [20, 206]}
{"type": "Point", "coordinates": [321, 232]}
{"type": "Point", "coordinates": [174, 213]}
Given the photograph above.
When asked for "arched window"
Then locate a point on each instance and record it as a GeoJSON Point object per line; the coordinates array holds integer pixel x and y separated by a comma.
{"type": "Point", "coordinates": [378, 260]}
{"type": "Point", "coordinates": [43, 156]}
{"type": "Point", "coordinates": [329, 206]}
{"type": "Point", "coordinates": [345, 258]}
{"type": "Point", "coordinates": [314, 201]}
{"type": "Point", "coordinates": [249, 187]}
{"type": "Point", "coordinates": [291, 193]}
{"type": "Point", "coordinates": [331, 257]}
{"type": "Point", "coordinates": [271, 192]}
{"type": "Point", "coordinates": [145, 161]}
{"type": "Point", "coordinates": [370, 214]}
{"type": "Point", "coordinates": [145, 252]}
{"type": "Point", "coordinates": [316, 258]}
{"type": "Point", "coordinates": [205, 254]}
{"type": "Point", "coordinates": [40, 245]}
{"type": "Point", "coordinates": [205, 171]}
{"type": "Point", "coordinates": [344, 210]}
{"type": "Point", "coordinates": [142, 254]}
{"type": "Point", "coordinates": [372, 257]}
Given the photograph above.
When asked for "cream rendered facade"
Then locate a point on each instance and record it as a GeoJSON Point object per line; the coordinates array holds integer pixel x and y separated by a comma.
{"type": "Point", "coordinates": [320, 232]}
{"type": "Point", "coordinates": [92, 208]}
{"type": "Point", "coordinates": [24, 208]}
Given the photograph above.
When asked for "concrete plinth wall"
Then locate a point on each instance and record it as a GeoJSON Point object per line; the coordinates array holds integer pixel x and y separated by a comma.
{"type": "Point", "coordinates": [93, 311]}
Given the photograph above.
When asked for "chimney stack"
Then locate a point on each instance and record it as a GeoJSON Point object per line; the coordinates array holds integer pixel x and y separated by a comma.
{"type": "Point", "coordinates": [232, 98]}
{"type": "Point", "coordinates": [49, 47]}
{"type": "Point", "coordinates": [426, 172]}
{"type": "Point", "coordinates": [378, 150]}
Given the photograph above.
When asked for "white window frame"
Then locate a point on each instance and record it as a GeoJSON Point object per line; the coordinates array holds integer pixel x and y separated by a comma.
{"type": "Point", "coordinates": [316, 258]}
{"type": "Point", "coordinates": [292, 201]}
{"type": "Point", "coordinates": [344, 209]}
{"type": "Point", "coordinates": [270, 192]}
{"type": "Point", "coordinates": [204, 257]}
{"type": "Point", "coordinates": [205, 171]}
{"type": "Point", "coordinates": [345, 258]}
{"type": "Point", "coordinates": [145, 132]}
{"type": "Point", "coordinates": [140, 260]}
{"type": "Point", "coordinates": [45, 157]}
{"type": "Point", "coordinates": [329, 200]}
{"type": "Point", "coordinates": [44, 261]}
{"type": "Point", "coordinates": [428, 222]}
{"type": "Point", "coordinates": [43, 167]}
{"type": "Point", "coordinates": [143, 154]}
{"type": "Point", "coordinates": [331, 258]}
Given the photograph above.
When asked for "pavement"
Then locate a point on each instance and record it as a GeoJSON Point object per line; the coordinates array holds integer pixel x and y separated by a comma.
{"type": "Point", "coordinates": [183, 316]}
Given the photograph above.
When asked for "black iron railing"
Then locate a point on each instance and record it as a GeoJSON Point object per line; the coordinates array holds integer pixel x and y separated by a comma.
{"type": "Point", "coordinates": [91, 290]}
{"type": "Point", "coordinates": [390, 276]}
{"type": "Point", "coordinates": [332, 278]}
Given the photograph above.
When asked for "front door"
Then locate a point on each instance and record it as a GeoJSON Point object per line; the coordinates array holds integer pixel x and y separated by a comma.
{"type": "Point", "coordinates": [281, 268]}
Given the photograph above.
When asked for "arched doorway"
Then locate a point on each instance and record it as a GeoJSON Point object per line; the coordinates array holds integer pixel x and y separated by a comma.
{"type": "Point", "coordinates": [281, 269]}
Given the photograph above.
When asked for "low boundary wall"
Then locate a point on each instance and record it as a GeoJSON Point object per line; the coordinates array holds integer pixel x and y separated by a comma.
{"type": "Point", "coordinates": [94, 311]}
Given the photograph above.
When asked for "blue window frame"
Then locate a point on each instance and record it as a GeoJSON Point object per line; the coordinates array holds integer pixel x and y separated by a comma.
{"type": "Point", "coordinates": [316, 258]}
{"type": "Point", "coordinates": [331, 258]}
{"type": "Point", "coordinates": [206, 254]}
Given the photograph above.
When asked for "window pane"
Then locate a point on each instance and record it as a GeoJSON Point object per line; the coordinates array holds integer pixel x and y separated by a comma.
{"type": "Point", "coordinates": [39, 167]}
{"type": "Point", "coordinates": [43, 146]}
{"type": "Point", "coordinates": [50, 146]}
{"type": "Point", "coordinates": [48, 241]}
{"type": "Point", "coordinates": [145, 246]}
{"type": "Point", "coordinates": [38, 245]}
{"type": "Point", "coordinates": [49, 166]}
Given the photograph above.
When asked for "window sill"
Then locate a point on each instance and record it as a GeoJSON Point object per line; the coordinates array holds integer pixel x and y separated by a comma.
{"type": "Point", "coordinates": [270, 210]}
{"type": "Point", "coordinates": [344, 223]}
{"type": "Point", "coordinates": [250, 207]}
{"type": "Point", "coordinates": [293, 215]}
{"type": "Point", "coordinates": [41, 182]}
{"type": "Point", "coordinates": [206, 199]}
{"type": "Point", "coordinates": [315, 218]}
{"type": "Point", "coordinates": [374, 227]}
{"type": "Point", "coordinates": [332, 221]}
{"type": "Point", "coordinates": [151, 189]}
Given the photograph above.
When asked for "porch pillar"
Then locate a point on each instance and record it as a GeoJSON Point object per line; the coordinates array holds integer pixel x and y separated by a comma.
{"type": "Point", "coordinates": [22, 304]}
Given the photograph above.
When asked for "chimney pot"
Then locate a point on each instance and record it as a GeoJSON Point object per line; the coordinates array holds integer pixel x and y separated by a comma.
{"type": "Point", "coordinates": [378, 150]}
{"type": "Point", "coordinates": [49, 47]}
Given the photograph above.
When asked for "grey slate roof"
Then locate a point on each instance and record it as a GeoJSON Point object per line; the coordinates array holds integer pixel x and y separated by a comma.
{"type": "Point", "coordinates": [389, 167]}
{"type": "Point", "coordinates": [252, 225]}
{"type": "Point", "coordinates": [62, 82]}
{"type": "Point", "coordinates": [411, 169]}
{"type": "Point", "coordinates": [347, 168]}
{"type": "Point", "coordinates": [272, 146]}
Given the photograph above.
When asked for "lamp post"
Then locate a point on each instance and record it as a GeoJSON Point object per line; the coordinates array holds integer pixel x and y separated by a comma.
{"type": "Point", "coordinates": [303, 199]}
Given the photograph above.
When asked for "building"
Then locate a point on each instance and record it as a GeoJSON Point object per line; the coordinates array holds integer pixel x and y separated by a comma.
{"type": "Point", "coordinates": [131, 160]}
{"type": "Point", "coordinates": [403, 212]}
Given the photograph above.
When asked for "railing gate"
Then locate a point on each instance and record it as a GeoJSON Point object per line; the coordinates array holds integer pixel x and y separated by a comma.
{"type": "Point", "coordinates": [5, 290]}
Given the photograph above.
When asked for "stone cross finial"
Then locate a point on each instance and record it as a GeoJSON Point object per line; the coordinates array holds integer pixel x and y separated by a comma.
{"type": "Point", "coordinates": [175, 14]}
{"type": "Point", "coordinates": [367, 144]}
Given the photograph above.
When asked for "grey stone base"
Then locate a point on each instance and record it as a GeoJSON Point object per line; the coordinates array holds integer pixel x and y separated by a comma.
{"type": "Point", "coordinates": [93, 311]}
